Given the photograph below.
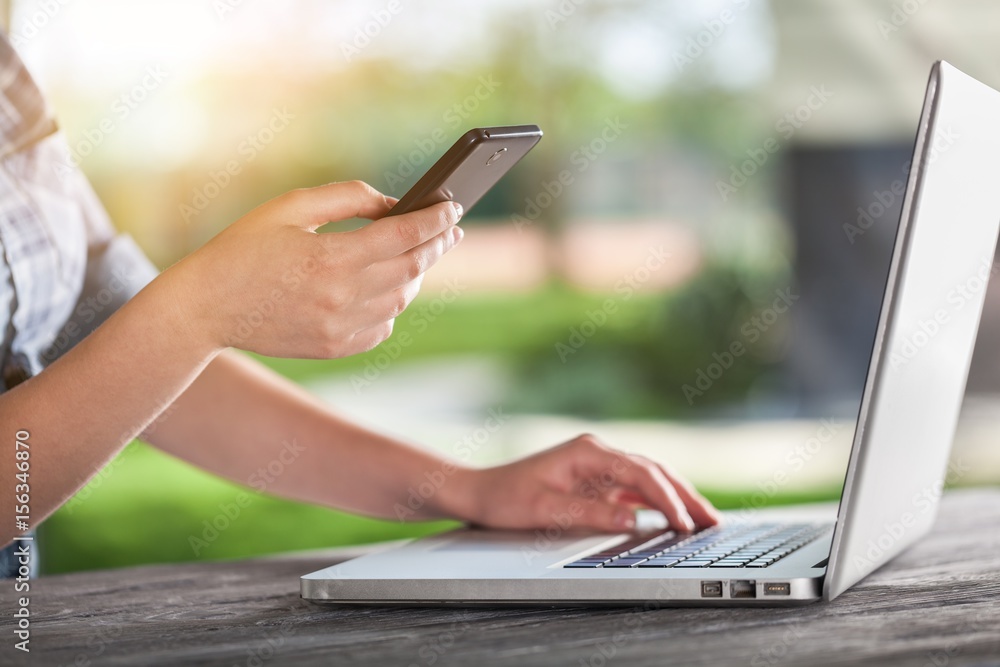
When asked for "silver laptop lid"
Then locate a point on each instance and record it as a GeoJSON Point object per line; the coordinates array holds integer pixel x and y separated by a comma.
{"type": "Point", "coordinates": [941, 262]}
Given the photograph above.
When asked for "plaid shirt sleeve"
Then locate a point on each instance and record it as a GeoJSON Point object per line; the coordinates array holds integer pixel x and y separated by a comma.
{"type": "Point", "coordinates": [63, 269]}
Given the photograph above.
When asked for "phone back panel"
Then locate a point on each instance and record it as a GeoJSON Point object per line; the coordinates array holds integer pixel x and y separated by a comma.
{"type": "Point", "coordinates": [473, 165]}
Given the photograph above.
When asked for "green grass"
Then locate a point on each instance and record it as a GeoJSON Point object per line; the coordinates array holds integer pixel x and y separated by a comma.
{"type": "Point", "coordinates": [147, 506]}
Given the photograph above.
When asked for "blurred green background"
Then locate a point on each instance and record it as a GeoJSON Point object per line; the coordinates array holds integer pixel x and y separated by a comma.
{"type": "Point", "coordinates": [650, 107]}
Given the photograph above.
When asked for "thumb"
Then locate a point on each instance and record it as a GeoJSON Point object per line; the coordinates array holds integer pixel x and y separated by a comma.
{"type": "Point", "coordinates": [314, 207]}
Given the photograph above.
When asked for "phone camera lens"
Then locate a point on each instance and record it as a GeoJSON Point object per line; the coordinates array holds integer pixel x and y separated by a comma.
{"type": "Point", "coordinates": [496, 156]}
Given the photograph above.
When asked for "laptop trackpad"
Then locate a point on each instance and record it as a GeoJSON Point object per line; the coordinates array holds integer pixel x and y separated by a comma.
{"type": "Point", "coordinates": [515, 540]}
{"type": "Point", "coordinates": [521, 542]}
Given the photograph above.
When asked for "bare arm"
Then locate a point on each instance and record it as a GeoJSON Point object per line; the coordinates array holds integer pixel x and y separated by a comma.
{"type": "Point", "coordinates": [244, 422]}
{"type": "Point", "coordinates": [324, 296]}
{"type": "Point", "coordinates": [81, 410]}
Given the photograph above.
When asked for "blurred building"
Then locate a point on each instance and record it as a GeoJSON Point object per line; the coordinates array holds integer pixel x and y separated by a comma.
{"type": "Point", "coordinates": [872, 59]}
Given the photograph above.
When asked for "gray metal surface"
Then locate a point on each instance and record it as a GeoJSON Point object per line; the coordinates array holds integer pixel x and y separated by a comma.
{"type": "Point", "coordinates": [480, 566]}
{"type": "Point", "coordinates": [927, 330]}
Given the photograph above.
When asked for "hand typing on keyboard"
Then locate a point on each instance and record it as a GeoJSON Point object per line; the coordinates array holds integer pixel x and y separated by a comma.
{"type": "Point", "coordinates": [584, 484]}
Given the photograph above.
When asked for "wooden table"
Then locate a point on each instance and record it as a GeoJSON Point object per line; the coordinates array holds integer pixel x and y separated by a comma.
{"type": "Point", "coordinates": [938, 605]}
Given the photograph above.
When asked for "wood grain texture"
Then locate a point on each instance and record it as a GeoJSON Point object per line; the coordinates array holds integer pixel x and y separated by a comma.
{"type": "Point", "coordinates": [937, 605]}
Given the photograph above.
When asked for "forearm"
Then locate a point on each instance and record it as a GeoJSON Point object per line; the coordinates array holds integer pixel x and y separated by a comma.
{"type": "Point", "coordinates": [328, 295]}
{"type": "Point", "coordinates": [82, 409]}
{"type": "Point", "coordinates": [244, 422]}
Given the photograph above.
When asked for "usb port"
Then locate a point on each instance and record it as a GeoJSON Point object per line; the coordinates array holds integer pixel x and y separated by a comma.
{"type": "Point", "coordinates": [777, 589]}
{"type": "Point", "coordinates": [711, 589]}
{"type": "Point", "coordinates": [743, 589]}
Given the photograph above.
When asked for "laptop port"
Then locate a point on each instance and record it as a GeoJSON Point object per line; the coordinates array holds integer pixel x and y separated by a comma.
{"type": "Point", "coordinates": [711, 589]}
{"type": "Point", "coordinates": [772, 588]}
{"type": "Point", "coordinates": [743, 589]}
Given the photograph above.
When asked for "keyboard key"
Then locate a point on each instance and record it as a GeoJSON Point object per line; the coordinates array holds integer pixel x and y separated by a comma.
{"type": "Point", "coordinates": [754, 546]}
{"type": "Point", "coordinates": [660, 562]}
{"type": "Point", "coordinates": [646, 553]}
{"type": "Point", "coordinates": [624, 562]}
{"type": "Point", "coordinates": [668, 541]}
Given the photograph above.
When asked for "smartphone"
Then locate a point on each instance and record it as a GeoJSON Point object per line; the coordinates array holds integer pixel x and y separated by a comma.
{"type": "Point", "coordinates": [476, 162]}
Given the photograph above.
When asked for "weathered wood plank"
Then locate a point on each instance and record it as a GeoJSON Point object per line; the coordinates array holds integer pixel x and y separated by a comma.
{"type": "Point", "coordinates": [937, 605]}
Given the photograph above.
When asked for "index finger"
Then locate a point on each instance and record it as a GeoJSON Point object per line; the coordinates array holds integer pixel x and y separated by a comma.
{"type": "Point", "coordinates": [700, 509]}
{"type": "Point", "coordinates": [642, 477]}
{"type": "Point", "coordinates": [396, 234]}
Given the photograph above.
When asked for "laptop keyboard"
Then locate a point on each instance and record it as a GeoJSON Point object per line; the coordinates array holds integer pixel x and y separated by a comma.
{"type": "Point", "coordinates": [748, 546]}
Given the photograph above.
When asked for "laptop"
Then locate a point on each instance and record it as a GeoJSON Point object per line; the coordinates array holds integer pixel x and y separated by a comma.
{"type": "Point", "coordinates": [941, 260]}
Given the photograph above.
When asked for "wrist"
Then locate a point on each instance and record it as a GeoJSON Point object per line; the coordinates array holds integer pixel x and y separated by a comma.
{"type": "Point", "coordinates": [185, 294]}
{"type": "Point", "coordinates": [459, 497]}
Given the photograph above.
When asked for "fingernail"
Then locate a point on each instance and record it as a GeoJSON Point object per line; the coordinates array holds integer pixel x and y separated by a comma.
{"type": "Point", "coordinates": [457, 234]}
{"type": "Point", "coordinates": [458, 208]}
{"type": "Point", "coordinates": [625, 519]}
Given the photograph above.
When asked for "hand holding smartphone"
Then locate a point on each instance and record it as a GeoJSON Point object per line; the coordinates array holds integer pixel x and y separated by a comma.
{"type": "Point", "coordinates": [470, 168]}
